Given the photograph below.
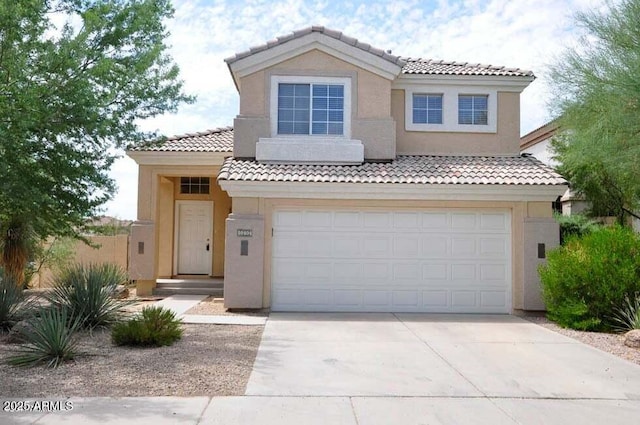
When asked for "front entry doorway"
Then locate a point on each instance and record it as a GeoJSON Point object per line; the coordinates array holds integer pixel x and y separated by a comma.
{"type": "Point", "coordinates": [193, 237]}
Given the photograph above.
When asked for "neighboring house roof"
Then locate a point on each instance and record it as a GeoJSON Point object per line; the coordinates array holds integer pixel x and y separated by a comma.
{"type": "Point", "coordinates": [433, 67]}
{"type": "Point", "coordinates": [216, 140]}
{"type": "Point", "coordinates": [540, 134]}
{"type": "Point", "coordinates": [319, 29]}
{"type": "Point", "coordinates": [416, 169]}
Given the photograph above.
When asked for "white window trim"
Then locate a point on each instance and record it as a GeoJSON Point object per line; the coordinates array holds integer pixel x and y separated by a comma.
{"type": "Point", "coordinates": [427, 94]}
{"type": "Point", "coordinates": [450, 108]}
{"type": "Point", "coordinates": [287, 79]}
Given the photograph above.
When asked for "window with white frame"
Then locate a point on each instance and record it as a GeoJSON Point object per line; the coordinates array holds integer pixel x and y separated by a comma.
{"type": "Point", "coordinates": [427, 108]}
{"type": "Point", "coordinates": [311, 106]}
{"type": "Point", "coordinates": [310, 109]}
{"type": "Point", "coordinates": [450, 108]}
{"type": "Point", "coordinates": [473, 109]}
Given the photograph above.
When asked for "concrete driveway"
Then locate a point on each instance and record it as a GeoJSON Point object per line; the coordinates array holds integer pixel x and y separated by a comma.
{"type": "Point", "coordinates": [435, 369]}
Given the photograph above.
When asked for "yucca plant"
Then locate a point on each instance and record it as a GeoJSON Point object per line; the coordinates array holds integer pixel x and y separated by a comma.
{"type": "Point", "coordinates": [86, 292]}
{"type": "Point", "coordinates": [156, 326]}
{"type": "Point", "coordinates": [49, 339]}
{"type": "Point", "coordinates": [627, 317]}
{"type": "Point", "coordinates": [15, 304]}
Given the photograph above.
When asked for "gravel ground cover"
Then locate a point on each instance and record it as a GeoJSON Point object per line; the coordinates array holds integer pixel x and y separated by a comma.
{"type": "Point", "coordinates": [611, 343]}
{"type": "Point", "coordinates": [209, 307]}
{"type": "Point", "coordinates": [209, 360]}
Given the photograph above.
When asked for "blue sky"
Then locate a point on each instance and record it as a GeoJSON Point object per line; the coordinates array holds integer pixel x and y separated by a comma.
{"type": "Point", "coordinates": [526, 34]}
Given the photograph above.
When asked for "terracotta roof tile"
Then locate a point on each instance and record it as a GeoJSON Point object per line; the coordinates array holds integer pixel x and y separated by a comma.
{"type": "Point", "coordinates": [411, 169]}
{"type": "Point", "coordinates": [409, 65]}
{"type": "Point", "coordinates": [430, 66]}
{"type": "Point", "coordinates": [216, 140]}
{"type": "Point", "coordinates": [319, 29]}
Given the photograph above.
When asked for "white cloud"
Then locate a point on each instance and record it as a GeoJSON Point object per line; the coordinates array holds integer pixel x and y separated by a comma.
{"type": "Point", "coordinates": [524, 33]}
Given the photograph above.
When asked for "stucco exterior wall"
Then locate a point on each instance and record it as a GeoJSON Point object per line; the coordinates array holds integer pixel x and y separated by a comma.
{"type": "Point", "coordinates": [111, 249]}
{"type": "Point", "coordinates": [506, 141]}
{"type": "Point", "coordinates": [370, 111]}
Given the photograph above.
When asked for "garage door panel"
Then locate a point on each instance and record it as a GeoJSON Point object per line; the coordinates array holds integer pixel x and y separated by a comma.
{"type": "Point", "coordinates": [435, 246]}
{"type": "Point", "coordinates": [493, 247]}
{"type": "Point", "coordinates": [435, 221]}
{"type": "Point", "coordinates": [408, 220]}
{"type": "Point", "coordinates": [406, 271]}
{"type": "Point", "coordinates": [317, 219]}
{"type": "Point", "coordinates": [493, 299]}
{"type": "Point", "coordinates": [422, 261]}
{"type": "Point", "coordinates": [463, 247]}
{"type": "Point", "coordinates": [435, 272]}
{"type": "Point", "coordinates": [406, 246]}
{"type": "Point", "coordinates": [347, 219]}
{"type": "Point", "coordinates": [463, 221]}
{"type": "Point", "coordinates": [377, 220]}
{"type": "Point", "coordinates": [288, 219]}
{"type": "Point", "coordinates": [376, 247]}
{"type": "Point", "coordinates": [435, 299]}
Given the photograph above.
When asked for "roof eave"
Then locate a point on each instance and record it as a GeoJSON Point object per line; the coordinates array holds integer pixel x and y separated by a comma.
{"type": "Point", "coordinates": [502, 82]}
{"type": "Point", "coordinates": [178, 158]}
{"type": "Point", "coordinates": [392, 191]}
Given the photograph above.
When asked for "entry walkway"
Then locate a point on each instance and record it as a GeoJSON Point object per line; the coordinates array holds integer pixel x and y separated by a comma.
{"type": "Point", "coordinates": [180, 304]}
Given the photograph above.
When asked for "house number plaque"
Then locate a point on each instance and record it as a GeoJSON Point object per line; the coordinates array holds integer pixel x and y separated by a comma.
{"type": "Point", "coordinates": [244, 233]}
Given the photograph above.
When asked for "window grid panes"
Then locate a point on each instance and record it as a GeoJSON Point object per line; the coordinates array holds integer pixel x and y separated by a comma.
{"type": "Point", "coordinates": [315, 109]}
{"type": "Point", "coordinates": [473, 109]}
{"type": "Point", "coordinates": [194, 185]}
{"type": "Point", "coordinates": [427, 109]}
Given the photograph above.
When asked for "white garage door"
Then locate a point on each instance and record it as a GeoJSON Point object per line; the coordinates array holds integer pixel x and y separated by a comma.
{"type": "Point", "coordinates": [392, 261]}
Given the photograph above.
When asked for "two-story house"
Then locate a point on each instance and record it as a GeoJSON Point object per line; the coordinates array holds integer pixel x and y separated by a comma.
{"type": "Point", "coordinates": [353, 180]}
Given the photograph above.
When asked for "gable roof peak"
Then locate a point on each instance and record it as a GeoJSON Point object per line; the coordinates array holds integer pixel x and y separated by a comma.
{"type": "Point", "coordinates": [335, 34]}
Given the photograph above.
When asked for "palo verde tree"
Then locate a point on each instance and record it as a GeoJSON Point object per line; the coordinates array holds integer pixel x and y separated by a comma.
{"type": "Point", "coordinates": [70, 96]}
{"type": "Point", "coordinates": [596, 90]}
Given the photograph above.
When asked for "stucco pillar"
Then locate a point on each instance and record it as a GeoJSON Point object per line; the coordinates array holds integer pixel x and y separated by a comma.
{"type": "Point", "coordinates": [541, 234]}
{"type": "Point", "coordinates": [244, 260]}
{"type": "Point", "coordinates": [142, 256]}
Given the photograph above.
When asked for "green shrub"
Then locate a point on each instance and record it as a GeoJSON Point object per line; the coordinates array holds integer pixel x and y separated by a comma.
{"type": "Point", "coordinates": [588, 278]}
{"type": "Point", "coordinates": [627, 317]}
{"type": "Point", "coordinates": [155, 326]}
{"type": "Point", "coordinates": [48, 339]}
{"type": "Point", "coordinates": [86, 292]}
{"type": "Point", "coordinates": [575, 225]}
{"type": "Point", "coordinates": [15, 304]}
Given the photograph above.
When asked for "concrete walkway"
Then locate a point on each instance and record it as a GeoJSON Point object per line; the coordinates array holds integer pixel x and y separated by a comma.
{"type": "Point", "coordinates": [180, 304]}
{"type": "Point", "coordinates": [250, 410]}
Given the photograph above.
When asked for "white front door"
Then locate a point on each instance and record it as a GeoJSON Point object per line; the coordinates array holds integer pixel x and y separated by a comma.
{"type": "Point", "coordinates": [194, 241]}
{"type": "Point", "coordinates": [438, 260]}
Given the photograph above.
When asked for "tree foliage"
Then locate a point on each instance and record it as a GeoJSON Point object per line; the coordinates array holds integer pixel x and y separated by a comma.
{"type": "Point", "coordinates": [70, 95]}
{"type": "Point", "coordinates": [597, 97]}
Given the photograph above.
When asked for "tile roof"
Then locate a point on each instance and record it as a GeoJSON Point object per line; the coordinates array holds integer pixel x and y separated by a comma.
{"type": "Point", "coordinates": [430, 66]}
{"type": "Point", "coordinates": [319, 29]}
{"type": "Point", "coordinates": [411, 169]}
{"type": "Point", "coordinates": [409, 65]}
{"type": "Point", "coordinates": [216, 140]}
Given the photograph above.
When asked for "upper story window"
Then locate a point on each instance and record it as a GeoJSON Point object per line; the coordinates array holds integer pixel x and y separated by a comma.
{"type": "Point", "coordinates": [473, 109]}
{"type": "Point", "coordinates": [310, 106]}
{"type": "Point", "coordinates": [314, 109]}
{"type": "Point", "coordinates": [194, 185]}
{"type": "Point", "coordinates": [450, 107]}
{"type": "Point", "coordinates": [427, 108]}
